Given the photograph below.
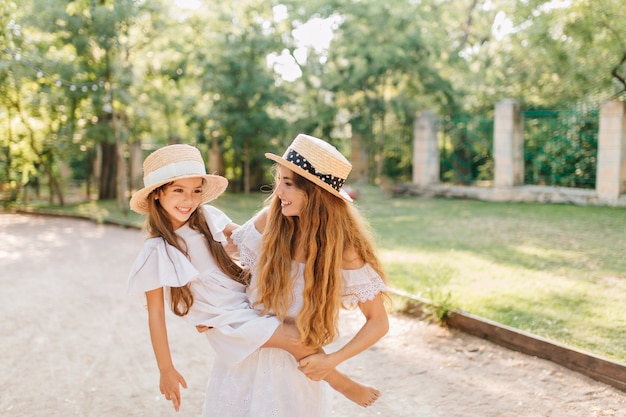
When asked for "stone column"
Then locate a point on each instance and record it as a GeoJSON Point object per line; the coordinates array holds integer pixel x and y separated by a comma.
{"type": "Point", "coordinates": [508, 144]}
{"type": "Point", "coordinates": [611, 169]}
{"type": "Point", "coordinates": [425, 149]}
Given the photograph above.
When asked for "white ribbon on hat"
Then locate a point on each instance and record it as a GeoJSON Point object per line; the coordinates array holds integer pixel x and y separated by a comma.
{"type": "Point", "coordinates": [173, 170]}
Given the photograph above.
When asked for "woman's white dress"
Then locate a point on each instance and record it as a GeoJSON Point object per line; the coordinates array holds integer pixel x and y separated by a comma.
{"type": "Point", "coordinates": [268, 383]}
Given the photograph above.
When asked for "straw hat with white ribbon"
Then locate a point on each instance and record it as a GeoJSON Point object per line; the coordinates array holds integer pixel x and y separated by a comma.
{"type": "Point", "coordinates": [171, 163]}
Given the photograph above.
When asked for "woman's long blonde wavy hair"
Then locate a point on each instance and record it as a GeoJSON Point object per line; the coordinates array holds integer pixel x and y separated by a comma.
{"type": "Point", "coordinates": [326, 227]}
{"type": "Point", "coordinates": [159, 225]}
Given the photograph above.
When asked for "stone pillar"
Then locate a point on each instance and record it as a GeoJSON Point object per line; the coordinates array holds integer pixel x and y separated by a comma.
{"type": "Point", "coordinates": [611, 170]}
{"type": "Point", "coordinates": [425, 149]}
{"type": "Point", "coordinates": [508, 144]}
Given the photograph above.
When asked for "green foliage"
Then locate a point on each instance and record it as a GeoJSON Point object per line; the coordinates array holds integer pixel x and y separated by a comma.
{"type": "Point", "coordinates": [201, 76]}
{"type": "Point", "coordinates": [436, 291]}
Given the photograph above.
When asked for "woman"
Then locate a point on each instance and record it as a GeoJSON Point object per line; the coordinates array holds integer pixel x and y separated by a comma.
{"type": "Point", "coordinates": [310, 252]}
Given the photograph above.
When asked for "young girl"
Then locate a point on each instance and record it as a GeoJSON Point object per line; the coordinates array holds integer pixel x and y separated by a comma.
{"type": "Point", "coordinates": [310, 252]}
{"type": "Point", "coordinates": [185, 263]}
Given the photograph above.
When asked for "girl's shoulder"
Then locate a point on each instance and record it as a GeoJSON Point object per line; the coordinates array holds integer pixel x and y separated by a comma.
{"type": "Point", "coordinates": [157, 265]}
{"type": "Point", "coordinates": [218, 222]}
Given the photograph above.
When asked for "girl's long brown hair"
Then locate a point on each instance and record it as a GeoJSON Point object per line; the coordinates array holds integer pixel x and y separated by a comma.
{"type": "Point", "coordinates": [159, 225]}
{"type": "Point", "coordinates": [326, 227]}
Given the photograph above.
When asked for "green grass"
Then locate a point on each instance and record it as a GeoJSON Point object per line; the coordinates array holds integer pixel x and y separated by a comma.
{"type": "Point", "coordinates": [557, 271]}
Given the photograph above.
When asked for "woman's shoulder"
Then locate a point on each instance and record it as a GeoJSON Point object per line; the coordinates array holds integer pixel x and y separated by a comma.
{"type": "Point", "coordinates": [260, 220]}
{"type": "Point", "coordinates": [253, 227]}
{"type": "Point", "coordinates": [361, 284]}
{"type": "Point", "coordinates": [351, 259]}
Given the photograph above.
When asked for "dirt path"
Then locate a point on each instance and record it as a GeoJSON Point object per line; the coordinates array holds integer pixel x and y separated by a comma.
{"type": "Point", "coordinates": [74, 344]}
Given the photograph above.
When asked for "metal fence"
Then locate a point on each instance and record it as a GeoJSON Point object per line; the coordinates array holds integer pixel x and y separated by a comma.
{"type": "Point", "coordinates": [560, 148]}
{"type": "Point", "coordinates": [466, 150]}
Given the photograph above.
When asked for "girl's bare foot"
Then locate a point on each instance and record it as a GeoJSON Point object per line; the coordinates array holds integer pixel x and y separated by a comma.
{"type": "Point", "coordinates": [360, 394]}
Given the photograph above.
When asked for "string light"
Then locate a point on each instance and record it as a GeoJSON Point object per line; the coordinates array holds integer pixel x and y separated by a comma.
{"type": "Point", "coordinates": [59, 82]}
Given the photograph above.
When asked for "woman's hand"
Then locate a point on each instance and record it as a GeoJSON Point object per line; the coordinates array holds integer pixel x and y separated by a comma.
{"type": "Point", "coordinates": [317, 366]}
{"type": "Point", "coordinates": [169, 385]}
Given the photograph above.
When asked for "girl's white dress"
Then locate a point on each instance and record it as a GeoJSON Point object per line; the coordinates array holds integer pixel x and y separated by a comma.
{"type": "Point", "coordinates": [268, 383]}
{"type": "Point", "coordinates": [219, 301]}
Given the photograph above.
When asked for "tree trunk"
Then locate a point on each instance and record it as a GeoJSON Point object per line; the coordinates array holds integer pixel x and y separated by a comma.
{"type": "Point", "coordinates": [380, 151]}
{"type": "Point", "coordinates": [216, 157]}
{"type": "Point", "coordinates": [108, 171]}
{"type": "Point", "coordinates": [246, 168]}
{"type": "Point", "coordinates": [359, 158]}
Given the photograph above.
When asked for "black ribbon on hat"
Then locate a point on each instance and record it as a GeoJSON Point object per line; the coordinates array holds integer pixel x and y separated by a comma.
{"type": "Point", "coordinates": [301, 162]}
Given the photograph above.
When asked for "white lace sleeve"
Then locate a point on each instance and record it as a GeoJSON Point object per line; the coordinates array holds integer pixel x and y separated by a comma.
{"type": "Point", "coordinates": [360, 285]}
{"type": "Point", "coordinates": [248, 241]}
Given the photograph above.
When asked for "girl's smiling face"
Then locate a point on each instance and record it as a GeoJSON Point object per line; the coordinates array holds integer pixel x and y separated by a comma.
{"type": "Point", "coordinates": [291, 197]}
{"type": "Point", "coordinates": [181, 198]}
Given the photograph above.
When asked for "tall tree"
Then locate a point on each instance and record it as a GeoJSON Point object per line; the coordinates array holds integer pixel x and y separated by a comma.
{"type": "Point", "coordinates": [243, 91]}
{"type": "Point", "coordinates": [379, 70]}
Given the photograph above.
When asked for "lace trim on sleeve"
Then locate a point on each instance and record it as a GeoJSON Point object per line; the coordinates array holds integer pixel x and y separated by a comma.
{"type": "Point", "coordinates": [248, 240]}
{"type": "Point", "coordinates": [361, 285]}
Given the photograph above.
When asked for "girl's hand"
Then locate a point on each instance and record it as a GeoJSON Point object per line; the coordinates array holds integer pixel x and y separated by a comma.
{"type": "Point", "coordinates": [201, 328]}
{"type": "Point", "coordinates": [170, 386]}
{"type": "Point", "coordinates": [316, 366]}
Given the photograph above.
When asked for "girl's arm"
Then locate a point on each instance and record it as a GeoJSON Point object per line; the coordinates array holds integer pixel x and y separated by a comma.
{"type": "Point", "coordinates": [170, 379]}
{"type": "Point", "coordinates": [376, 326]}
{"type": "Point", "coordinates": [286, 337]}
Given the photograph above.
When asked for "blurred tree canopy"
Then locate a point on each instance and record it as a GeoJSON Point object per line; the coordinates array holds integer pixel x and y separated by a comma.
{"type": "Point", "coordinates": [83, 83]}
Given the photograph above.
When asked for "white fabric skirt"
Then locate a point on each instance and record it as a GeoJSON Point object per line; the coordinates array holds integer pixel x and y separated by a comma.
{"type": "Point", "coordinates": [266, 384]}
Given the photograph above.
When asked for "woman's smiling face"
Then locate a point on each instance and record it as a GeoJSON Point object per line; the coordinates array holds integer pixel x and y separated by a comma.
{"type": "Point", "coordinates": [291, 197]}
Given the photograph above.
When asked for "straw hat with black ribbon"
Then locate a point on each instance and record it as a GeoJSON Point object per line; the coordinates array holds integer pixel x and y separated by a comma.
{"type": "Point", "coordinates": [171, 163]}
{"type": "Point", "coordinates": [317, 161]}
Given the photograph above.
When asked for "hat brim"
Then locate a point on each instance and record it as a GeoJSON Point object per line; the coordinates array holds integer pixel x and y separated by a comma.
{"type": "Point", "coordinates": [303, 173]}
{"type": "Point", "coordinates": [214, 186]}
